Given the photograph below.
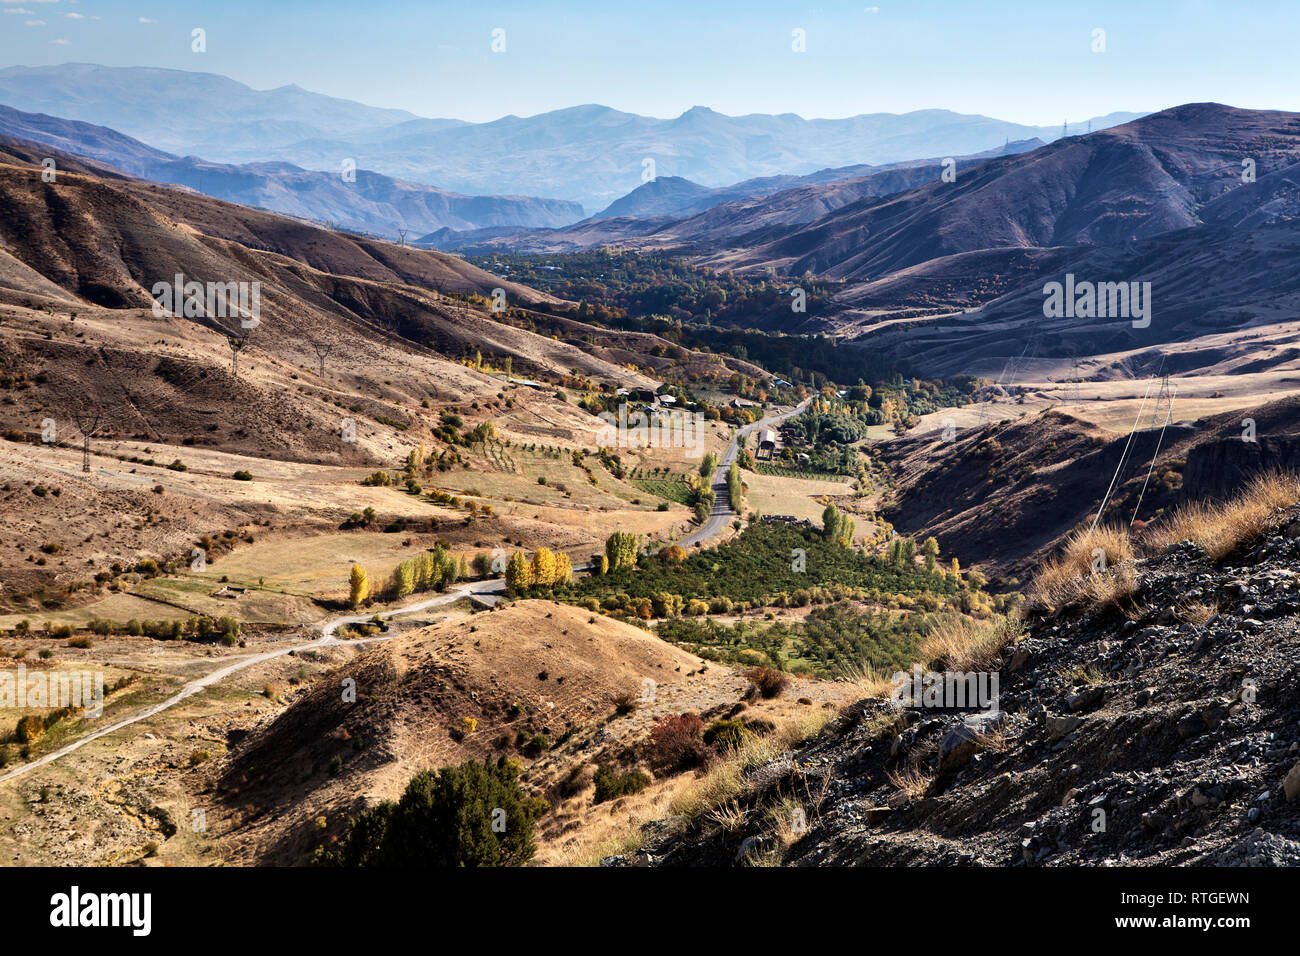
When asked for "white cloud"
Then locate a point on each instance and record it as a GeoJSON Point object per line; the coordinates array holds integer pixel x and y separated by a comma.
{"type": "Point", "coordinates": [35, 23]}
{"type": "Point", "coordinates": [61, 42]}
{"type": "Point", "coordinates": [147, 20]}
{"type": "Point", "coordinates": [20, 10]}
{"type": "Point", "coordinates": [73, 16]}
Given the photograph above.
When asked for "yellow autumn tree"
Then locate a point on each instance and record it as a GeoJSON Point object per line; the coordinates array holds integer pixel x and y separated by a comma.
{"type": "Point", "coordinates": [544, 567]}
{"type": "Point", "coordinates": [563, 568]}
{"type": "Point", "coordinates": [519, 573]}
{"type": "Point", "coordinates": [359, 584]}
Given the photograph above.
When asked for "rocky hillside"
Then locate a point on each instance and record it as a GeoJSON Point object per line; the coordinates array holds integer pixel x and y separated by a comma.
{"type": "Point", "coordinates": [1163, 732]}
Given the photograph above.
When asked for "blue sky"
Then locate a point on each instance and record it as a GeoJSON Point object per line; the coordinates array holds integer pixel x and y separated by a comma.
{"type": "Point", "coordinates": [1029, 62]}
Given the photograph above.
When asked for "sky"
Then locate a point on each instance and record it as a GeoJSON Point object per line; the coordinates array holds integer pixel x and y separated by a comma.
{"type": "Point", "coordinates": [1030, 62]}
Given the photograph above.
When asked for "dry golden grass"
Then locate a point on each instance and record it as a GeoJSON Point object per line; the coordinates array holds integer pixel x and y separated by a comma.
{"type": "Point", "coordinates": [965, 644]}
{"type": "Point", "coordinates": [1195, 612]}
{"type": "Point", "coordinates": [866, 681]}
{"type": "Point", "coordinates": [1221, 529]}
{"type": "Point", "coordinates": [714, 794]}
{"type": "Point", "coordinates": [1095, 568]}
{"type": "Point", "coordinates": [725, 778]}
{"type": "Point", "coordinates": [911, 781]}
{"type": "Point", "coordinates": [730, 816]}
{"type": "Point", "coordinates": [614, 831]}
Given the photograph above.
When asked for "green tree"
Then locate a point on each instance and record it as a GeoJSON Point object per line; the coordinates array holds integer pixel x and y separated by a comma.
{"type": "Point", "coordinates": [473, 814]}
{"type": "Point", "coordinates": [931, 551]}
{"type": "Point", "coordinates": [621, 547]}
{"type": "Point", "coordinates": [709, 465]}
{"type": "Point", "coordinates": [404, 579]}
{"type": "Point", "coordinates": [831, 522]}
{"type": "Point", "coordinates": [735, 488]}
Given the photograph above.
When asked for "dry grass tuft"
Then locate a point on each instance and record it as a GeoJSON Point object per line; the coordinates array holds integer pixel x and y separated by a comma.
{"type": "Point", "coordinates": [1223, 528]}
{"type": "Point", "coordinates": [1095, 568]}
{"type": "Point", "coordinates": [911, 781]}
{"type": "Point", "coordinates": [866, 682]}
{"type": "Point", "coordinates": [965, 644]}
{"type": "Point", "coordinates": [1195, 612]}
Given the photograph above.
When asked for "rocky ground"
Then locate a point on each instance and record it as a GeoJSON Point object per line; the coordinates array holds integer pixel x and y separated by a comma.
{"type": "Point", "coordinates": [1163, 733]}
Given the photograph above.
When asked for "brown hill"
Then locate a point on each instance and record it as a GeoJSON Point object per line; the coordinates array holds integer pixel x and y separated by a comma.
{"type": "Point", "coordinates": [1002, 495]}
{"type": "Point", "coordinates": [527, 669]}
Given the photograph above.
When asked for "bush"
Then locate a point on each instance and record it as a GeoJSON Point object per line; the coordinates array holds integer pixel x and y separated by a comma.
{"type": "Point", "coordinates": [677, 742]}
{"type": "Point", "coordinates": [473, 814]}
{"type": "Point", "coordinates": [768, 681]}
{"type": "Point", "coordinates": [726, 734]}
{"type": "Point", "coordinates": [610, 784]}
{"type": "Point", "coordinates": [243, 476]}
{"type": "Point", "coordinates": [28, 729]}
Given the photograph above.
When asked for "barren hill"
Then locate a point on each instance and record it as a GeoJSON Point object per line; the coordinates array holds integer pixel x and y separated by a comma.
{"type": "Point", "coordinates": [527, 669]}
{"type": "Point", "coordinates": [1002, 495]}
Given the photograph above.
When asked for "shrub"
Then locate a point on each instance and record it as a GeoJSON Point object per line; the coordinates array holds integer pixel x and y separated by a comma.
{"type": "Point", "coordinates": [769, 681]}
{"type": "Point", "coordinates": [677, 742]}
{"type": "Point", "coordinates": [29, 728]}
{"type": "Point", "coordinates": [446, 818]}
{"type": "Point", "coordinates": [726, 734]}
{"type": "Point", "coordinates": [610, 784]}
{"type": "Point", "coordinates": [243, 476]}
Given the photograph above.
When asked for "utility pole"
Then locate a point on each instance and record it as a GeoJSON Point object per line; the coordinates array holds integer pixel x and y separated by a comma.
{"type": "Point", "coordinates": [322, 349]}
{"type": "Point", "coordinates": [89, 420]}
{"type": "Point", "coordinates": [237, 344]}
{"type": "Point", "coordinates": [1164, 413]}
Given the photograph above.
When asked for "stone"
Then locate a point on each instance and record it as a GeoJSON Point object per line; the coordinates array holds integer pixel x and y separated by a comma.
{"type": "Point", "coordinates": [959, 744]}
{"type": "Point", "coordinates": [1086, 699]}
{"type": "Point", "coordinates": [1291, 785]}
{"type": "Point", "coordinates": [1059, 727]}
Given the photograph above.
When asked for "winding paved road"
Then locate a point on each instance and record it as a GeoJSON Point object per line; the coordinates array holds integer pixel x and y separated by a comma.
{"type": "Point", "coordinates": [722, 510]}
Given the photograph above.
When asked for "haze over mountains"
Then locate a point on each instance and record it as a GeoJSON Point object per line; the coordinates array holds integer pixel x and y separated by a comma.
{"type": "Point", "coordinates": [368, 203]}
{"type": "Point", "coordinates": [590, 154]}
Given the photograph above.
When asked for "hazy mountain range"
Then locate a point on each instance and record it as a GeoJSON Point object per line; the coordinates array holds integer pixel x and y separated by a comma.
{"type": "Point", "coordinates": [369, 203]}
{"type": "Point", "coordinates": [590, 154]}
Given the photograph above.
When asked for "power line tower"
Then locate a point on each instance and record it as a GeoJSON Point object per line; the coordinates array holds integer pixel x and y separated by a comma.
{"type": "Point", "coordinates": [1164, 411]}
{"type": "Point", "coordinates": [322, 349]}
{"type": "Point", "coordinates": [1072, 394]}
{"type": "Point", "coordinates": [237, 342]}
{"type": "Point", "coordinates": [90, 421]}
{"type": "Point", "coordinates": [1007, 380]}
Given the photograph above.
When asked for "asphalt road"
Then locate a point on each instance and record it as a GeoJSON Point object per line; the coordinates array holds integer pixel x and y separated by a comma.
{"type": "Point", "coordinates": [722, 510]}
